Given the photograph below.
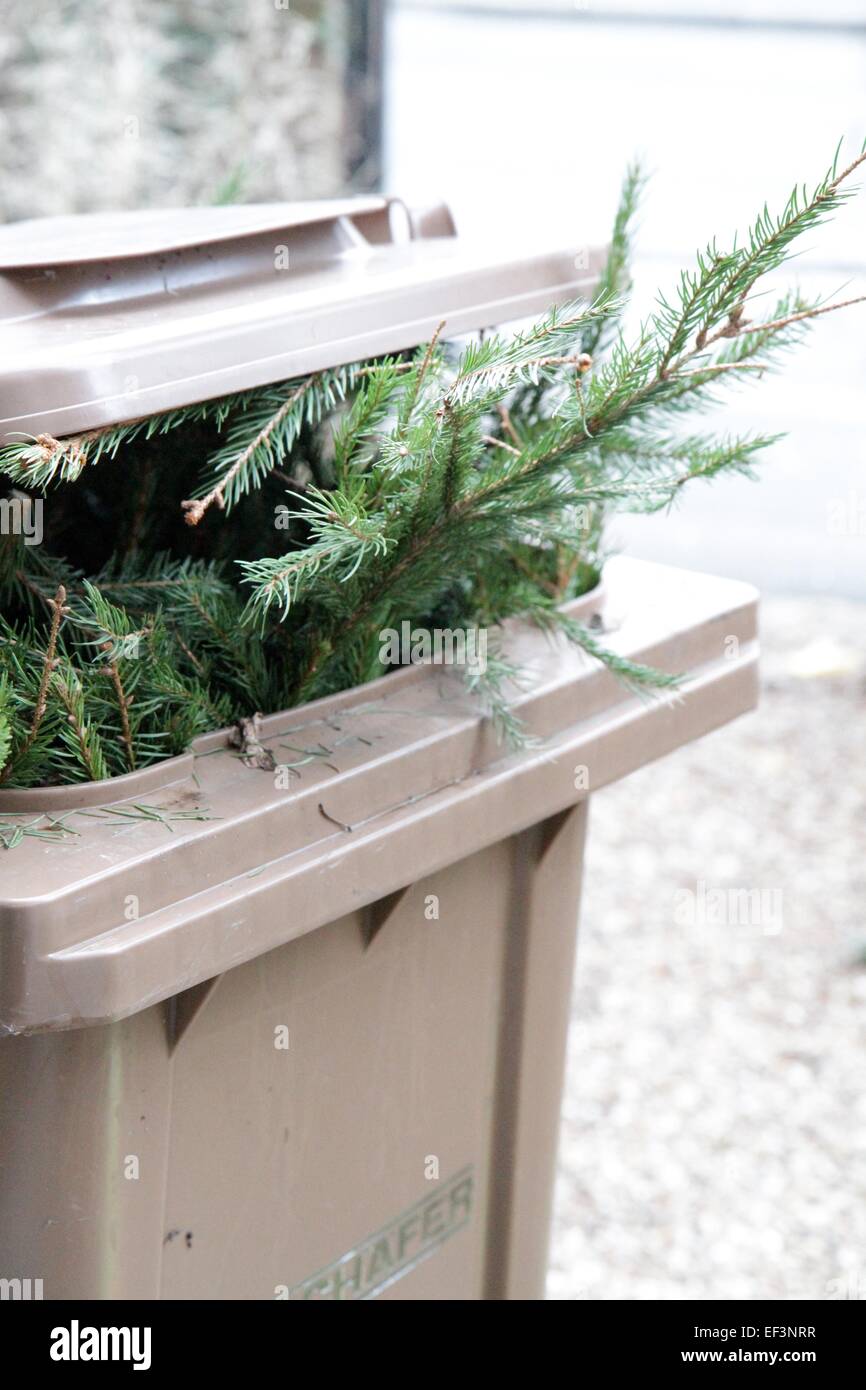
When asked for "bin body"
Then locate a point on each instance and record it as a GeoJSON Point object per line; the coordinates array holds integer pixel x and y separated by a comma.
{"type": "Point", "coordinates": [340, 1118]}
{"type": "Point", "coordinates": [312, 1047]}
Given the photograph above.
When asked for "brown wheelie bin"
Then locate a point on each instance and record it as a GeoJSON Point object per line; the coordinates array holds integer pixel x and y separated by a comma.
{"type": "Point", "coordinates": [311, 1045]}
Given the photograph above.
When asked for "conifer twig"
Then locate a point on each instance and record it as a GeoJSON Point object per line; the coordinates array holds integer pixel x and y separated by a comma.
{"type": "Point", "coordinates": [775, 325]}
{"type": "Point", "coordinates": [194, 508]}
{"type": "Point", "coordinates": [723, 367]}
{"type": "Point", "coordinates": [507, 422]}
{"type": "Point", "coordinates": [89, 758]}
{"type": "Point", "coordinates": [123, 703]}
{"type": "Point", "coordinates": [72, 452]}
{"type": "Point", "coordinates": [415, 389]}
{"type": "Point", "coordinates": [500, 444]}
{"type": "Point", "coordinates": [58, 611]}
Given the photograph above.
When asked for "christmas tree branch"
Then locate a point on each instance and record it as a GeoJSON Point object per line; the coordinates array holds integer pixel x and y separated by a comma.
{"type": "Point", "coordinates": [451, 487]}
{"type": "Point", "coordinates": [49, 661]}
{"type": "Point", "coordinates": [123, 702]}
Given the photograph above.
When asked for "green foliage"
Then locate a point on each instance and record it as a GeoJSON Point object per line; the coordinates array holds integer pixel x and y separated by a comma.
{"type": "Point", "coordinates": [5, 721]}
{"type": "Point", "coordinates": [342, 535]}
{"type": "Point", "coordinates": [451, 488]}
{"type": "Point", "coordinates": [44, 460]}
{"type": "Point", "coordinates": [261, 435]}
{"type": "Point", "coordinates": [615, 280]}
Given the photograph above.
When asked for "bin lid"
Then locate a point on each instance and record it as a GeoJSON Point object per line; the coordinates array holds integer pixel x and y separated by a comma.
{"type": "Point", "coordinates": [112, 316]}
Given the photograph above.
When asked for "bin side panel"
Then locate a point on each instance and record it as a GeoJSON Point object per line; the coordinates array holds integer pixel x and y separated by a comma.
{"type": "Point", "coordinates": [539, 964]}
{"type": "Point", "coordinates": [333, 1105]}
{"type": "Point", "coordinates": [370, 1111]}
{"type": "Point", "coordinates": [84, 1120]}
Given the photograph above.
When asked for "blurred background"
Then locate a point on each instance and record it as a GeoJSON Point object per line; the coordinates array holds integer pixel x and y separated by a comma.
{"type": "Point", "coordinates": [714, 1139]}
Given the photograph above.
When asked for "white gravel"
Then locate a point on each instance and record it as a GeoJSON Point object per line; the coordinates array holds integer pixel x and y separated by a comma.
{"type": "Point", "coordinates": [714, 1127]}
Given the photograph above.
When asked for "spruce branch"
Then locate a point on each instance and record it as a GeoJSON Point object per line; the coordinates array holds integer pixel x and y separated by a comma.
{"type": "Point", "coordinates": [426, 357]}
{"type": "Point", "coordinates": [636, 676]}
{"type": "Point", "coordinates": [116, 637]}
{"type": "Point", "coordinates": [776, 325]}
{"type": "Point", "coordinates": [492, 686]}
{"type": "Point", "coordinates": [712, 299]}
{"type": "Point", "coordinates": [6, 719]}
{"type": "Point", "coordinates": [232, 478]}
{"type": "Point", "coordinates": [123, 703]}
{"type": "Point", "coordinates": [455, 487]}
{"type": "Point", "coordinates": [82, 749]}
{"type": "Point", "coordinates": [343, 536]}
{"type": "Point", "coordinates": [374, 400]}
{"type": "Point", "coordinates": [494, 365]}
{"type": "Point", "coordinates": [49, 662]}
{"type": "Point", "coordinates": [44, 460]}
{"type": "Point", "coordinates": [615, 279]}
{"type": "Point", "coordinates": [261, 435]}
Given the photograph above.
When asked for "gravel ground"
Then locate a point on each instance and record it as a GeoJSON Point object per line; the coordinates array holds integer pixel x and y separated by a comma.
{"type": "Point", "coordinates": [714, 1126]}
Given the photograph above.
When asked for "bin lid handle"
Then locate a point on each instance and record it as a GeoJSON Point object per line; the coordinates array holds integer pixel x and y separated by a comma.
{"type": "Point", "coordinates": [117, 236]}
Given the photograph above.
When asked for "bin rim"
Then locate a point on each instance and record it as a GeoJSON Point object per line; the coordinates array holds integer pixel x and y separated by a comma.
{"type": "Point", "coordinates": [160, 776]}
{"type": "Point", "coordinates": [413, 781]}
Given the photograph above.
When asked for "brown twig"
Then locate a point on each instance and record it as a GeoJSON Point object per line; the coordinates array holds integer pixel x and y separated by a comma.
{"type": "Point", "coordinates": [425, 367]}
{"type": "Point", "coordinates": [500, 444]}
{"type": "Point", "coordinates": [724, 367]}
{"type": "Point", "coordinates": [774, 325]}
{"type": "Point", "coordinates": [333, 819]}
{"type": "Point", "coordinates": [840, 178]}
{"type": "Point", "coordinates": [74, 446]}
{"type": "Point", "coordinates": [190, 654]}
{"type": "Point", "coordinates": [373, 367]}
{"type": "Point", "coordinates": [33, 588]}
{"type": "Point", "coordinates": [80, 732]}
{"type": "Point", "coordinates": [194, 508]}
{"type": "Point", "coordinates": [507, 423]}
{"type": "Point", "coordinates": [123, 704]}
{"type": "Point", "coordinates": [567, 563]}
{"type": "Point", "coordinates": [246, 735]}
{"type": "Point", "coordinates": [577, 359]}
